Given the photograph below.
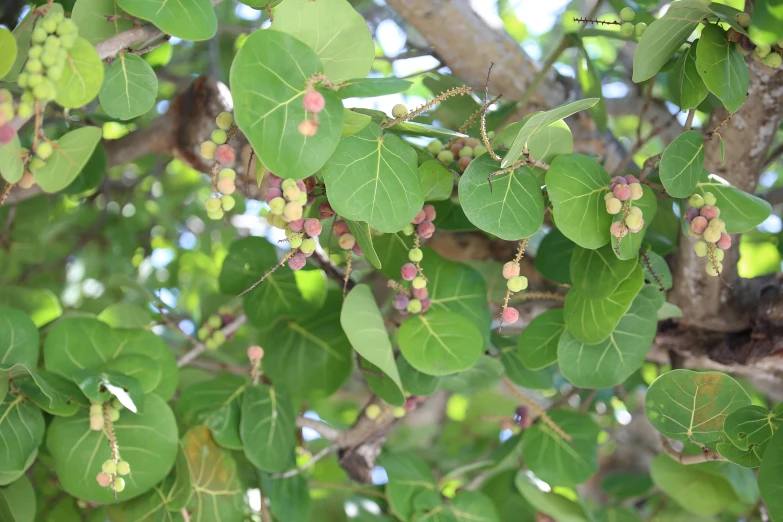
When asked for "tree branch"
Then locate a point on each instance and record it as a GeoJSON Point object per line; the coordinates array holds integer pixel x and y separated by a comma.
{"type": "Point", "coordinates": [323, 429]}
{"type": "Point", "coordinates": [697, 458]}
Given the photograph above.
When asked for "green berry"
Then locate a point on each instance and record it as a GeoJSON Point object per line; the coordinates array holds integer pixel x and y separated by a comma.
{"type": "Point", "coordinates": [640, 28]}
{"type": "Point", "coordinates": [478, 150]}
{"type": "Point", "coordinates": [219, 337]}
{"type": "Point", "coordinates": [114, 415]}
{"type": "Point", "coordinates": [96, 409]}
{"type": "Point", "coordinates": [210, 344]}
{"type": "Point", "coordinates": [446, 156]}
{"type": "Point", "coordinates": [701, 248]}
{"type": "Point", "coordinates": [287, 183]}
{"type": "Point", "coordinates": [66, 27]}
{"type": "Point", "coordinates": [123, 468]}
{"type": "Point", "coordinates": [33, 66]}
{"type": "Point", "coordinates": [109, 467]}
{"type": "Point", "coordinates": [68, 41]}
{"type": "Point", "coordinates": [696, 201]}
{"type": "Point", "coordinates": [710, 199]}
{"type": "Point", "coordinates": [44, 150]}
{"type": "Point", "coordinates": [119, 484]}
{"type": "Point", "coordinates": [762, 50]}
{"type": "Point", "coordinates": [773, 60]}
{"type": "Point", "coordinates": [308, 246]}
{"type": "Point", "coordinates": [414, 306]}
{"type": "Point", "coordinates": [295, 240]}
{"type": "Point", "coordinates": [227, 174]}
{"type": "Point", "coordinates": [54, 73]}
{"type": "Point", "coordinates": [627, 14]}
{"type": "Point", "coordinates": [53, 44]}
{"type": "Point", "coordinates": [627, 29]}
{"type": "Point", "coordinates": [208, 150]}
{"type": "Point", "coordinates": [212, 204]}
{"type": "Point", "coordinates": [372, 412]}
{"type": "Point", "coordinates": [714, 270]}
{"type": "Point", "coordinates": [277, 205]}
{"type": "Point", "coordinates": [35, 51]}
{"type": "Point", "coordinates": [415, 255]}
{"type": "Point", "coordinates": [39, 35]}
{"type": "Point", "coordinates": [743, 19]}
{"type": "Point", "coordinates": [398, 412]}
{"type": "Point", "coordinates": [219, 136]}
{"type": "Point", "coordinates": [203, 333]}
{"type": "Point", "coordinates": [408, 230]}
{"type": "Point", "coordinates": [49, 25]}
{"type": "Point", "coordinates": [228, 202]}
{"type": "Point", "coordinates": [37, 163]}
{"type": "Point", "coordinates": [224, 120]}
{"type": "Point", "coordinates": [434, 147]}
{"type": "Point", "coordinates": [419, 283]}
{"type": "Point", "coordinates": [466, 152]}
{"type": "Point", "coordinates": [399, 110]}
{"type": "Point", "coordinates": [517, 284]}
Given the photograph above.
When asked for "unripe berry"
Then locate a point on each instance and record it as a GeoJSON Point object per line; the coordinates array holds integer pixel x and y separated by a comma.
{"type": "Point", "coordinates": [372, 412]}
{"type": "Point", "coordinates": [308, 246]}
{"type": "Point", "coordinates": [408, 230]}
{"type": "Point", "coordinates": [699, 224]}
{"type": "Point", "coordinates": [288, 183]}
{"type": "Point", "coordinates": [109, 467]}
{"type": "Point", "coordinates": [510, 315]}
{"type": "Point", "coordinates": [39, 35]}
{"type": "Point", "coordinates": [114, 415]}
{"type": "Point", "coordinates": [421, 216]}
{"type": "Point", "coordinates": [312, 227]}
{"type": "Point", "coordinates": [743, 19]}
{"type": "Point", "coordinates": [434, 147]}
{"type": "Point", "coordinates": [627, 29]}
{"type": "Point", "coordinates": [714, 270]}
{"type": "Point", "coordinates": [618, 230]}
{"type": "Point", "coordinates": [445, 156]}
{"type": "Point", "coordinates": [297, 225]}
{"type": "Point", "coordinates": [44, 150]}
{"type": "Point", "coordinates": [96, 408]}
{"type": "Point", "coordinates": [37, 163]}
{"type": "Point", "coordinates": [478, 150]}
{"type": "Point", "coordinates": [741, 49]}
{"type": "Point", "coordinates": [292, 211]}
{"type": "Point", "coordinates": [340, 228]}
{"type": "Point", "coordinates": [696, 201]}
{"type": "Point", "coordinates": [399, 412]}
{"type": "Point", "coordinates": [225, 154]}
{"type": "Point", "coordinates": [420, 293]}
{"type": "Point", "coordinates": [255, 353]}
{"type": "Point", "coordinates": [634, 224]}
{"type": "Point", "coordinates": [463, 163]}
{"type": "Point", "coordinates": [700, 248]}
{"type": "Point", "coordinates": [224, 120]}
{"type": "Point", "coordinates": [414, 306]}
{"type": "Point", "coordinates": [66, 27]}
{"type": "Point", "coordinates": [717, 224]}
{"type": "Point", "coordinates": [103, 480]}
{"type": "Point", "coordinates": [313, 101]}
{"type": "Point", "coordinates": [346, 241]}
{"type": "Point", "coordinates": [208, 150]}
{"type": "Point", "coordinates": [27, 180]}
{"type": "Point", "coordinates": [636, 191]}
{"type": "Point", "coordinates": [227, 202]}
{"type": "Point", "coordinates": [635, 211]}
{"type": "Point", "coordinates": [325, 210]}
{"type": "Point", "coordinates": [517, 284]}
{"type": "Point", "coordinates": [709, 212]}
{"type": "Point", "coordinates": [457, 146]}
{"type": "Point", "coordinates": [24, 109]}
{"type": "Point", "coordinates": [307, 128]}
{"type": "Point", "coordinates": [711, 235]}
{"type": "Point", "coordinates": [724, 243]}
{"type": "Point", "coordinates": [7, 133]}
{"type": "Point", "coordinates": [297, 261]}
{"type": "Point", "coordinates": [400, 302]}
{"type": "Point", "coordinates": [119, 484]}
{"type": "Point", "coordinates": [773, 60]}
{"type": "Point", "coordinates": [219, 136]}
{"type": "Point", "coordinates": [408, 271]}
{"type": "Point", "coordinates": [627, 14]}
{"type": "Point", "coordinates": [640, 28]}
{"type": "Point", "coordinates": [295, 240]}
{"type": "Point", "coordinates": [425, 229]}
{"type": "Point", "coordinates": [123, 468]}
{"type": "Point", "coordinates": [358, 250]}
{"type": "Point", "coordinates": [276, 205]}
{"type": "Point", "coordinates": [276, 220]}
{"type": "Point", "coordinates": [399, 110]}
{"type": "Point", "coordinates": [613, 205]}
{"type": "Point", "coordinates": [710, 199]}
{"type": "Point", "coordinates": [622, 192]}
{"type": "Point", "coordinates": [212, 205]}
{"type": "Point", "coordinates": [96, 422]}
{"type": "Point", "coordinates": [510, 269]}
{"type": "Point", "coordinates": [466, 152]}
{"type": "Point", "coordinates": [203, 333]}
{"type": "Point", "coordinates": [302, 199]}
{"type": "Point", "coordinates": [429, 212]}
{"type": "Point", "coordinates": [419, 282]}
{"type": "Point", "coordinates": [226, 186]}
{"type": "Point", "coordinates": [415, 255]}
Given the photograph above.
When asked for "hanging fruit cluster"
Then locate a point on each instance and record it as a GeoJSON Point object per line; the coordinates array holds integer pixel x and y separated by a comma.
{"type": "Point", "coordinates": [109, 474]}
{"type": "Point", "coordinates": [418, 301]}
{"type": "Point", "coordinates": [624, 191]}
{"type": "Point", "coordinates": [514, 283]}
{"type": "Point", "coordinates": [211, 333]}
{"type": "Point", "coordinates": [769, 55]}
{"type": "Point", "coordinates": [223, 154]}
{"type": "Point", "coordinates": [463, 150]}
{"type": "Point", "coordinates": [627, 28]}
{"type": "Point", "coordinates": [704, 223]}
{"type": "Point", "coordinates": [97, 420]}
{"type": "Point", "coordinates": [313, 102]}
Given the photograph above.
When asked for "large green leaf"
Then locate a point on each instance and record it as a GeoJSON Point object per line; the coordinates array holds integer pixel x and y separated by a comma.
{"type": "Point", "coordinates": [540, 121]}
{"type": "Point", "coordinates": [334, 30]}
{"type": "Point", "coordinates": [11, 165]}
{"type": "Point", "coordinates": [509, 206]}
{"type": "Point", "coordinates": [363, 325]}
{"type": "Point", "coordinates": [537, 346]}
{"type": "Point", "coordinates": [373, 178]}
{"type": "Point", "coordinates": [21, 432]}
{"type": "Point", "coordinates": [268, 78]}
{"type": "Point", "coordinates": [150, 506]}
{"type": "Point", "coordinates": [289, 498]}
{"type": "Point", "coordinates": [82, 76]}
{"type": "Point", "coordinates": [769, 476]}
{"type": "Point", "coordinates": [17, 501]}
{"type": "Point", "coordinates": [364, 238]}
{"type": "Point", "coordinates": [576, 186]}
{"type": "Point", "coordinates": [215, 404]}
{"type": "Point", "coordinates": [186, 19]}
{"type": "Point", "coordinates": [408, 476]}
{"type": "Point", "coordinates": [682, 163]}
{"type": "Point", "coordinates": [437, 182]}
{"type": "Point", "coordinates": [471, 506]}
{"type": "Point", "coordinates": [8, 44]}
{"type": "Point", "coordinates": [18, 338]}
{"type": "Point", "coordinates": [596, 274]}
{"type": "Point", "coordinates": [40, 304]}
{"type": "Point", "coordinates": [614, 359]}
{"type": "Point", "coordinates": [213, 472]}
{"type": "Point", "coordinates": [416, 382]}
{"type": "Point", "coordinates": [130, 87]}
{"type": "Point", "coordinates": [749, 458]}
{"type": "Point", "coordinates": [552, 504]}
{"type": "Point", "coordinates": [557, 461]}
{"type": "Point", "coordinates": [722, 67]}
{"type": "Point", "coordinates": [684, 404]}
{"type": "Point", "coordinates": [267, 428]}
{"type": "Point", "coordinates": [412, 128]}
{"type": "Point", "coordinates": [752, 425]}
{"type": "Point", "coordinates": [617, 514]}
{"type": "Point", "coordinates": [593, 320]}
{"type": "Point", "coordinates": [371, 87]}
{"type": "Point", "coordinates": [146, 440]}
{"type": "Point", "coordinates": [71, 153]}
{"type": "Point", "coordinates": [739, 210]}
{"type": "Point", "coordinates": [693, 487]}
{"type": "Point", "coordinates": [50, 392]}
{"type": "Point", "coordinates": [664, 36]}
{"type": "Point", "coordinates": [553, 258]}
{"type": "Point", "coordinates": [520, 374]}
{"type": "Point", "coordinates": [440, 342]}
{"type": "Point", "coordinates": [91, 17]}
{"type": "Point", "coordinates": [766, 26]}
{"type": "Point", "coordinates": [685, 82]}
{"type": "Point", "coordinates": [628, 247]}
{"type": "Point", "coordinates": [623, 486]}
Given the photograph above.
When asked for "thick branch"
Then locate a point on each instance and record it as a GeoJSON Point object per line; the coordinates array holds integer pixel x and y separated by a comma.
{"type": "Point", "coordinates": [682, 458]}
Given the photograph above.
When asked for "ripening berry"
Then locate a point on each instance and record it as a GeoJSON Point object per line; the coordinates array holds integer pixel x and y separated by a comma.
{"type": "Point", "coordinates": [635, 211]}
{"type": "Point", "coordinates": [434, 147]}
{"type": "Point", "coordinates": [622, 192]}
{"type": "Point", "coordinates": [701, 248]}
{"type": "Point", "coordinates": [291, 193]}
{"type": "Point", "coordinates": [313, 101]}
{"type": "Point", "coordinates": [7, 133]}
{"type": "Point", "coordinates": [114, 415]}
{"type": "Point", "coordinates": [510, 315]}
{"type": "Point", "coordinates": [292, 210]}
{"type": "Point", "coordinates": [710, 199]}
{"type": "Point", "coordinates": [300, 184]}
{"type": "Point", "coordinates": [225, 154]}
{"type": "Point", "coordinates": [619, 180]}
{"type": "Point", "coordinates": [358, 250]}
{"type": "Point", "coordinates": [224, 120]}
{"type": "Point", "coordinates": [227, 202]}
{"type": "Point", "coordinates": [741, 49]}
{"type": "Point", "coordinates": [27, 180]}
{"type": "Point", "coordinates": [463, 163]}
{"type": "Point", "coordinates": [510, 269]}
{"type": "Point", "coordinates": [302, 199]}
{"type": "Point", "coordinates": [208, 150]}
{"type": "Point", "coordinates": [409, 271]}
{"type": "Point", "coordinates": [276, 205]}
{"type": "Point", "coordinates": [415, 255]}
{"type": "Point", "coordinates": [414, 306]}
{"type": "Point", "coordinates": [457, 146]}
{"type": "Point", "coordinates": [425, 304]}
{"type": "Point", "coordinates": [517, 284]}
{"type": "Point", "coordinates": [288, 182]}
{"type": "Point", "coordinates": [421, 216]}
{"type": "Point", "coordinates": [226, 186]}
{"type": "Point", "coordinates": [276, 220]}
{"type": "Point", "coordinates": [297, 225]}
{"type": "Point", "coordinates": [690, 214]}
{"type": "Point", "coordinates": [307, 128]}
{"type": "Point", "coordinates": [419, 282]}
{"type": "Point", "coordinates": [711, 235]}
{"type": "Point", "coordinates": [346, 241]}
{"type": "Point", "coordinates": [613, 205]}
{"type": "Point", "coordinates": [466, 152]}
{"type": "Point", "coordinates": [312, 227]}
{"type": "Point", "coordinates": [96, 422]}
{"type": "Point", "coordinates": [96, 408]}
{"type": "Point", "coordinates": [627, 14]}
{"type": "Point", "coordinates": [724, 243]}
{"type": "Point", "coordinates": [408, 230]}
{"type": "Point", "coordinates": [714, 270]}
{"type": "Point", "coordinates": [340, 228]}
{"type": "Point", "coordinates": [255, 353]}
{"type": "Point", "coordinates": [297, 261]}
{"type": "Point", "coordinates": [103, 480]}
{"type": "Point", "coordinates": [399, 110]}
{"type": "Point", "coordinates": [119, 484]}
{"type": "Point", "coordinates": [630, 178]}
{"type": "Point", "coordinates": [275, 181]}
{"type": "Point", "coordinates": [420, 293]}
{"type": "Point", "coordinates": [618, 230]}
{"type": "Point", "coordinates": [219, 136]}
{"type": "Point", "coordinates": [709, 212]}
{"type": "Point", "coordinates": [295, 240]}
{"type": "Point", "coordinates": [425, 229]}
{"type": "Point", "coordinates": [636, 191]}
{"type": "Point", "coordinates": [696, 201]}
{"type": "Point", "coordinates": [627, 29]}
{"type": "Point", "coordinates": [372, 412]}
{"type": "Point", "coordinates": [429, 212]}
{"type": "Point", "coordinates": [400, 302]}
{"type": "Point", "coordinates": [123, 468]}
{"type": "Point", "coordinates": [699, 224]}
{"type": "Point", "coordinates": [109, 467]}
{"type": "Point", "coordinates": [717, 224]}
{"type": "Point", "coordinates": [640, 28]}
{"type": "Point", "coordinates": [445, 156]}
{"type": "Point", "coordinates": [743, 19]}
{"type": "Point", "coordinates": [325, 210]}
{"type": "Point", "coordinates": [44, 150]}
{"type": "Point", "coordinates": [308, 246]}
{"type": "Point", "coordinates": [633, 225]}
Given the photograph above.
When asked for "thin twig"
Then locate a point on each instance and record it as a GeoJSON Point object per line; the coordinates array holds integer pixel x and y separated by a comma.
{"type": "Point", "coordinates": [689, 119]}
{"type": "Point", "coordinates": [6, 191]}
{"type": "Point", "coordinates": [323, 429]}
{"type": "Point", "coordinates": [533, 405]}
{"type": "Point", "coordinates": [199, 348]}
{"type": "Point", "coordinates": [705, 456]}
{"type": "Point", "coordinates": [455, 91]}
{"type": "Point", "coordinates": [723, 122]}
{"type": "Point", "coordinates": [315, 458]}
{"type": "Point", "coordinates": [285, 258]}
{"type": "Point", "coordinates": [483, 127]}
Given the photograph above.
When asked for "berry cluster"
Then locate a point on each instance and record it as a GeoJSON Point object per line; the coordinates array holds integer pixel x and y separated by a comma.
{"type": "Point", "coordinates": [771, 56]}
{"type": "Point", "coordinates": [313, 102]}
{"type": "Point", "coordinates": [211, 333]}
{"type": "Point", "coordinates": [628, 29]}
{"type": "Point", "coordinates": [463, 149]}
{"type": "Point", "coordinates": [224, 180]}
{"type": "Point", "coordinates": [514, 283]}
{"type": "Point", "coordinates": [345, 239]}
{"type": "Point", "coordinates": [418, 302]}
{"type": "Point", "coordinates": [7, 131]}
{"type": "Point", "coordinates": [97, 421]}
{"type": "Point", "coordinates": [109, 474]}
{"type": "Point", "coordinates": [624, 191]}
{"type": "Point", "coordinates": [705, 224]}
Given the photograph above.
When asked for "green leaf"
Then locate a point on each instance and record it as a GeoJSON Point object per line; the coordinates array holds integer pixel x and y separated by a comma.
{"type": "Point", "coordinates": [486, 373]}
{"type": "Point", "coordinates": [364, 237]}
{"type": "Point", "coordinates": [694, 488]}
{"type": "Point", "coordinates": [373, 178]}
{"type": "Point", "coordinates": [268, 78]}
{"type": "Point", "coordinates": [722, 67]}
{"type": "Point", "coordinates": [629, 247]}
{"type": "Point", "coordinates": [623, 486]}
{"type": "Point", "coordinates": [17, 501]}
{"type": "Point", "coordinates": [537, 346]}
{"type": "Point", "coordinates": [553, 259]}
{"type": "Point", "coordinates": [130, 87]}
{"type": "Point", "coordinates": [213, 472]}
{"type": "Point", "coordinates": [289, 498]}
{"type": "Point", "coordinates": [688, 405]}
{"type": "Point", "coordinates": [685, 82]}
{"type": "Point", "coordinates": [334, 30]}
{"type": "Point", "coordinates": [314, 355]}
{"type": "Point", "coordinates": [752, 425]}
{"type": "Point", "coordinates": [728, 14]}
{"type": "Point", "coordinates": [50, 392]}
{"type": "Point", "coordinates": [186, 19]}
{"type": "Point", "coordinates": [353, 122]}
{"type": "Point", "coordinates": [769, 476]}
{"type": "Point", "coordinates": [591, 87]}
{"type": "Point", "coordinates": [215, 404]}
{"type": "Point", "coordinates": [596, 274]}
{"type": "Point", "coordinates": [147, 441]}
{"type": "Point", "coordinates": [412, 128]}
{"type": "Point", "coordinates": [741, 211]}
{"type": "Point", "coordinates": [392, 250]}
{"type": "Point", "coordinates": [749, 458]}
{"type": "Point", "coordinates": [614, 359]}
{"type": "Point", "coordinates": [82, 76]}
{"type": "Point", "coordinates": [472, 506]}
{"type": "Point", "coordinates": [437, 182]}
{"type": "Point", "coordinates": [71, 153]}
{"type": "Point", "coordinates": [408, 476]}
{"type": "Point", "coordinates": [440, 342]}
{"type": "Point", "coordinates": [556, 460]}
{"type": "Point", "coordinates": [18, 338]}
{"type": "Point", "coordinates": [363, 325]}
{"type": "Point", "coordinates": [141, 368]}
{"type": "Point", "coordinates": [510, 206]}
{"type": "Point", "coordinates": [101, 386]}
{"type": "Point", "coordinates": [520, 374]}
{"type": "Point", "coordinates": [125, 315]}
{"type": "Point", "coordinates": [576, 186]}
{"type": "Point", "coordinates": [540, 121]}
{"type": "Point", "coordinates": [91, 17]}
{"type": "Point", "coordinates": [552, 504]}
{"type": "Point", "coordinates": [545, 145]}
{"type": "Point", "coordinates": [682, 164]}
{"type": "Point", "coordinates": [766, 25]}
{"type": "Point", "coordinates": [593, 320]}
{"type": "Point", "coordinates": [267, 428]}
{"type": "Point", "coordinates": [664, 36]}
{"type": "Point", "coordinates": [8, 44]}
{"type": "Point", "coordinates": [371, 87]}
{"type": "Point", "coordinates": [386, 389]}
{"type": "Point", "coordinates": [656, 270]}
{"type": "Point", "coordinates": [40, 304]}
{"type": "Point", "coordinates": [11, 165]}
{"type": "Point", "coordinates": [21, 432]}
{"type": "Point", "coordinates": [617, 514]}
{"type": "Point", "coordinates": [150, 506]}
{"type": "Point", "coordinates": [416, 382]}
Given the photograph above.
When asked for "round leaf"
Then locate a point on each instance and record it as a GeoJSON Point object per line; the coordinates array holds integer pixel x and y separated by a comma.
{"type": "Point", "coordinates": [21, 432]}
{"type": "Point", "coordinates": [42, 305]}
{"type": "Point", "coordinates": [186, 19]}
{"type": "Point", "coordinates": [694, 488]}
{"type": "Point", "coordinates": [408, 476]}
{"type": "Point", "coordinates": [752, 425]}
{"type": "Point", "coordinates": [722, 67]}
{"type": "Point", "coordinates": [130, 87]}
{"type": "Point", "coordinates": [436, 181]}
{"type": "Point", "coordinates": [82, 76]}
{"type": "Point", "coordinates": [91, 17]}
{"type": "Point", "coordinates": [267, 428]}
{"type": "Point", "coordinates": [18, 338]}
{"type": "Point", "coordinates": [17, 501]}
{"type": "Point", "coordinates": [371, 87]}
{"type": "Point", "coordinates": [215, 404]}
{"type": "Point", "coordinates": [596, 274]}
{"type": "Point", "coordinates": [553, 259]}
{"type": "Point", "coordinates": [537, 346]}
{"type": "Point", "coordinates": [48, 391]}
{"type": "Point", "coordinates": [11, 165]}
{"type": "Point", "coordinates": [682, 163]}
{"type": "Point", "coordinates": [656, 270]}
{"type": "Point", "coordinates": [552, 504]}
{"type": "Point", "coordinates": [268, 78]}
{"type": "Point", "coordinates": [142, 368]}
{"type": "Point", "coordinates": [71, 153]}
{"type": "Point", "coordinates": [8, 45]}
{"type": "Point", "coordinates": [769, 476]}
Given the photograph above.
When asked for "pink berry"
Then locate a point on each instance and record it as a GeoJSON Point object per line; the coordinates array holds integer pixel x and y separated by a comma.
{"type": "Point", "coordinates": [630, 178]}
{"type": "Point", "coordinates": [622, 192]}
{"type": "Point", "coordinates": [7, 133]}
{"type": "Point", "coordinates": [425, 229]}
{"type": "Point", "coordinates": [510, 315]}
{"type": "Point", "coordinates": [510, 269]}
{"type": "Point", "coordinates": [690, 214]}
{"type": "Point", "coordinates": [275, 181]}
{"type": "Point", "coordinates": [425, 304]}
{"type": "Point", "coordinates": [456, 147]}
{"type": "Point", "coordinates": [420, 293]}
{"type": "Point", "coordinates": [411, 403]}
{"type": "Point", "coordinates": [709, 212]}
{"type": "Point", "coordinates": [358, 250]}
{"type": "Point", "coordinates": [724, 243]}
{"type": "Point", "coordinates": [618, 230]}
{"type": "Point", "coordinates": [346, 241]}
{"type": "Point", "coordinates": [463, 162]}
{"type": "Point", "coordinates": [421, 216]}
{"type": "Point", "coordinates": [103, 480]}
{"type": "Point", "coordinates": [699, 224]}
{"type": "Point", "coordinates": [400, 302]}
{"type": "Point", "coordinates": [619, 180]}
{"type": "Point", "coordinates": [340, 228]}
{"type": "Point", "coordinates": [224, 154]}
{"type": "Point", "coordinates": [301, 185]}
{"type": "Point", "coordinates": [312, 227]}
{"type": "Point", "coordinates": [409, 271]}
{"type": "Point", "coordinates": [297, 261]}
{"type": "Point", "coordinates": [255, 353]}
{"type": "Point", "coordinates": [309, 184]}
{"type": "Point", "coordinates": [297, 225]}
{"type": "Point", "coordinates": [310, 201]}
{"type": "Point", "coordinates": [307, 128]}
{"type": "Point", "coordinates": [314, 101]}
{"type": "Point", "coordinates": [272, 193]}
{"type": "Point", "coordinates": [429, 212]}
{"type": "Point", "coordinates": [325, 210]}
